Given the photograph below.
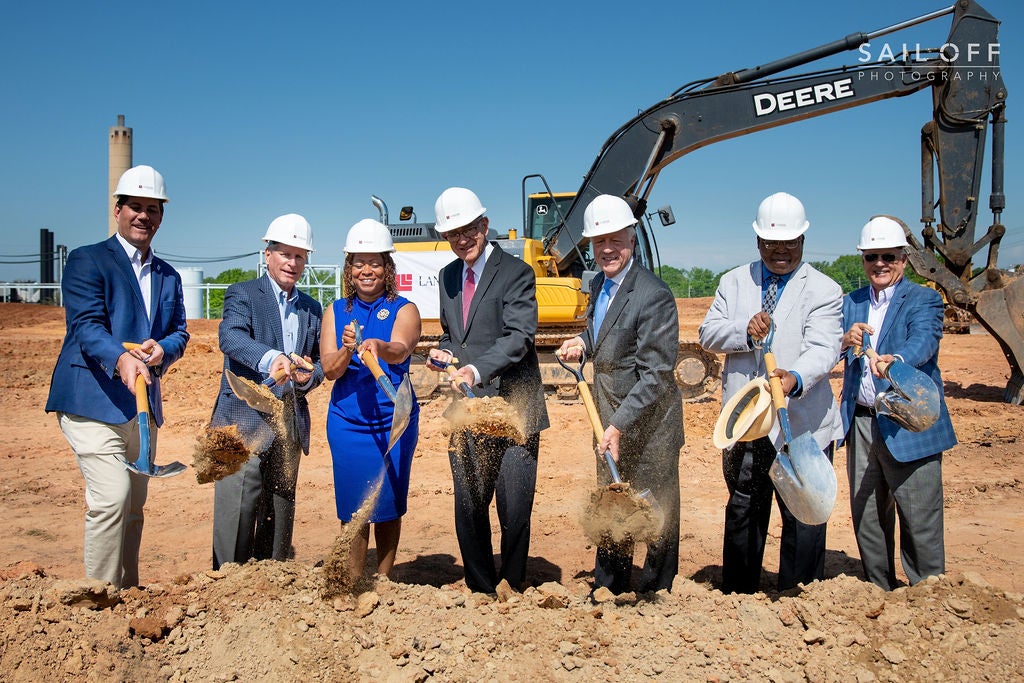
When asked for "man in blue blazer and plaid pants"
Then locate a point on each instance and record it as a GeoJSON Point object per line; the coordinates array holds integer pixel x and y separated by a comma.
{"type": "Point", "coordinates": [892, 470]}
{"type": "Point", "coordinates": [265, 320]}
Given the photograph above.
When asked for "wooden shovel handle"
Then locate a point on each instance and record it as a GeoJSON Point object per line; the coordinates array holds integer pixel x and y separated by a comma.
{"type": "Point", "coordinates": [301, 362]}
{"type": "Point", "coordinates": [872, 354]}
{"type": "Point", "coordinates": [774, 383]}
{"type": "Point", "coordinates": [141, 395]}
{"type": "Point", "coordinates": [372, 363]}
{"type": "Point", "coordinates": [588, 401]}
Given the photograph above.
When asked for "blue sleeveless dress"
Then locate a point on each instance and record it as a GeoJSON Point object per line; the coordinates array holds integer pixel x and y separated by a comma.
{"type": "Point", "coordinates": [359, 421]}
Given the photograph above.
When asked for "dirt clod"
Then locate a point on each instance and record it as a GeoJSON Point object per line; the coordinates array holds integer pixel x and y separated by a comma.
{"type": "Point", "coordinates": [618, 514]}
{"type": "Point", "coordinates": [218, 452]}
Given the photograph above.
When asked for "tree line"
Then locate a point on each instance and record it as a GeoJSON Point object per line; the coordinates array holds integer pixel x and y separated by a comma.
{"type": "Point", "coordinates": [699, 282]}
{"type": "Point", "coordinates": [685, 283]}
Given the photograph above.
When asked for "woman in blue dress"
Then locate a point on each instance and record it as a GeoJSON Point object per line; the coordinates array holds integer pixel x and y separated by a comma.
{"type": "Point", "coordinates": [359, 417]}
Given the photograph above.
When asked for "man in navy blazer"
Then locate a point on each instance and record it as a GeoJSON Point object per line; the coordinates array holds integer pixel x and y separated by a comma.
{"type": "Point", "coordinates": [489, 319]}
{"type": "Point", "coordinates": [265, 320]}
{"type": "Point", "coordinates": [891, 469]}
{"type": "Point", "coordinates": [113, 292]}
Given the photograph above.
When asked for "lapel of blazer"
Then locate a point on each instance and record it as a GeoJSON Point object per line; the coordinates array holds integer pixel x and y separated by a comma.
{"type": "Point", "coordinates": [791, 294]}
{"type": "Point", "coordinates": [899, 296]}
{"type": "Point", "coordinates": [622, 295]}
{"type": "Point", "coordinates": [302, 310]}
{"type": "Point", "coordinates": [270, 309]}
{"type": "Point", "coordinates": [158, 279]}
{"type": "Point", "coordinates": [486, 278]}
{"type": "Point", "coordinates": [124, 265]}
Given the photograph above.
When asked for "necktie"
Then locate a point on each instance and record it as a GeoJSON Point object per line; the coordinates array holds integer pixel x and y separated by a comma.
{"type": "Point", "coordinates": [771, 294]}
{"type": "Point", "coordinates": [467, 295]}
{"type": "Point", "coordinates": [601, 307]}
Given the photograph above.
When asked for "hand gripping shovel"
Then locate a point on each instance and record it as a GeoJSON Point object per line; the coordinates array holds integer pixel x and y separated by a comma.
{"type": "Point", "coordinates": [401, 397]}
{"type": "Point", "coordinates": [144, 463]}
{"type": "Point", "coordinates": [913, 401]}
{"type": "Point", "coordinates": [802, 474]}
{"type": "Point", "coordinates": [595, 423]}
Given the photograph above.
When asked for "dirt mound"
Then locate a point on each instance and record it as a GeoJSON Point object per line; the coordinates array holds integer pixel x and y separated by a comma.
{"type": "Point", "coordinates": [267, 621]}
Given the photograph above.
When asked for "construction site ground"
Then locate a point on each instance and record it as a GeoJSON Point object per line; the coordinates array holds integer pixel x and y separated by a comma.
{"type": "Point", "coordinates": [268, 621]}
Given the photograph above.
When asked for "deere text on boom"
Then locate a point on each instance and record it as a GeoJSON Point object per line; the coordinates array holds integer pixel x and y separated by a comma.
{"type": "Point", "coordinates": [766, 102]}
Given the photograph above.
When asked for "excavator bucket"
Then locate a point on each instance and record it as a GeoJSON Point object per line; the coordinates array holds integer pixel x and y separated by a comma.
{"type": "Point", "coordinates": [999, 311]}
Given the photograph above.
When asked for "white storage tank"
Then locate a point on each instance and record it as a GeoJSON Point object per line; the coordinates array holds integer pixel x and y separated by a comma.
{"type": "Point", "coordinates": [191, 282]}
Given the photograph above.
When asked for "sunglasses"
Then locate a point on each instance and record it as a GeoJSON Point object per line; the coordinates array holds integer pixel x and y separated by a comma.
{"type": "Point", "coordinates": [888, 258]}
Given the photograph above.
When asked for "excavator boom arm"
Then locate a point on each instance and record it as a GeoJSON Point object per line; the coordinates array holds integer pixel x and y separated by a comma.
{"type": "Point", "coordinates": [968, 93]}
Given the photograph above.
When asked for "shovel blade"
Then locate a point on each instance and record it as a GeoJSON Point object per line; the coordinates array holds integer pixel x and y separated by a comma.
{"type": "Point", "coordinates": [251, 395]}
{"type": "Point", "coordinates": [805, 479]}
{"type": "Point", "coordinates": [159, 471]}
{"type": "Point", "coordinates": [144, 464]}
{"type": "Point", "coordinates": [913, 402]}
{"type": "Point", "coordinates": [403, 410]}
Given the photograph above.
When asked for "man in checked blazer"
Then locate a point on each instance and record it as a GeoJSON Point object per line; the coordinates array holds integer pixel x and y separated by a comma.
{"type": "Point", "coordinates": [892, 470]}
{"type": "Point", "coordinates": [265, 320]}
{"type": "Point", "coordinates": [489, 320]}
{"type": "Point", "coordinates": [806, 307]}
{"type": "Point", "coordinates": [633, 337]}
{"type": "Point", "coordinates": [117, 291]}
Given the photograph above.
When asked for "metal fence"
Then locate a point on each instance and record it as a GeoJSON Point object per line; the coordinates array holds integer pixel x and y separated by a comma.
{"type": "Point", "coordinates": [203, 299]}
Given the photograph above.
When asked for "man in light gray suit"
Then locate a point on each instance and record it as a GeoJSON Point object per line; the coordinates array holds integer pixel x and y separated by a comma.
{"type": "Point", "coordinates": [265, 320]}
{"type": "Point", "coordinates": [633, 337]}
{"type": "Point", "coordinates": [806, 307]}
{"type": "Point", "coordinates": [489, 320]}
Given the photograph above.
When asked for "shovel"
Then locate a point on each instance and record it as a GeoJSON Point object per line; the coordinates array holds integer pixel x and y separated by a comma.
{"type": "Point", "coordinates": [802, 474]}
{"type": "Point", "coordinates": [913, 401]}
{"type": "Point", "coordinates": [595, 423]}
{"type": "Point", "coordinates": [144, 463]}
{"type": "Point", "coordinates": [401, 397]}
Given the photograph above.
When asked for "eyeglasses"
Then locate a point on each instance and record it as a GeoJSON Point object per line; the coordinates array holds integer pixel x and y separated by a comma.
{"type": "Point", "coordinates": [888, 258]}
{"type": "Point", "coordinates": [469, 232]}
{"type": "Point", "coordinates": [787, 244]}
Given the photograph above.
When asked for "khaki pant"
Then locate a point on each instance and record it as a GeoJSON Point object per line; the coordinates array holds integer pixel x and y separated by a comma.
{"type": "Point", "coordinates": [114, 495]}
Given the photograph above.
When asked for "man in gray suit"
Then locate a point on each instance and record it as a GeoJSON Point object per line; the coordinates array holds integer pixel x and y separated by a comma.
{"type": "Point", "coordinates": [265, 320]}
{"type": "Point", "coordinates": [633, 337]}
{"type": "Point", "coordinates": [806, 307]}
{"type": "Point", "coordinates": [488, 320]}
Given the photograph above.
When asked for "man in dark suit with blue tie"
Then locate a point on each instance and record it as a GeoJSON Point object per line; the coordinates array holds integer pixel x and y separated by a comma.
{"type": "Point", "coordinates": [265, 320]}
{"type": "Point", "coordinates": [117, 291]}
{"type": "Point", "coordinates": [489, 320]}
{"type": "Point", "coordinates": [633, 337]}
{"type": "Point", "coordinates": [892, 470]}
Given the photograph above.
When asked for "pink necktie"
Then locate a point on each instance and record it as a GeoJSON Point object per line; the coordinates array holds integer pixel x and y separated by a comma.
{"type": "Point", "coordinates": [467, 295]}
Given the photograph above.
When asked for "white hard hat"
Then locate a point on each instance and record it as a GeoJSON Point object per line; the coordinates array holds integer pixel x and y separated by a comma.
{"type": "Point", "coordinates": [141, 181]}
{"type": "Point", "coordinates": [780, 217]}
{"type": "Point", "coordinates": [882, 232]}
{"type": "Point", "coordinates": [607, 214]}
{"type": "Point", "coordinates": [369, 237]}
{"type": "Point", "coordinates": [291, 229]}
{"type": "Point", "coordinates": [456, 208]}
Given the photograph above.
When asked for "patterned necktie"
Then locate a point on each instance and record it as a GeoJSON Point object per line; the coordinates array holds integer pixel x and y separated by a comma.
{"type": "Point", "coordinates": [467, 295]}
{"type": "Point", "coordinates": [602, 304]}
{"type": "Point", "coordinates": [771, 294]}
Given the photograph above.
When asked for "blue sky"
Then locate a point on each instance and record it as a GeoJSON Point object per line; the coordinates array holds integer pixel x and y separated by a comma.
{"type": "Point", "coordinates": [253, 110]}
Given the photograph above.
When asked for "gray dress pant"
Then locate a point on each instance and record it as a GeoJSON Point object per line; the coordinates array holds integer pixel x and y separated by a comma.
{"type": "Point", "coordinates": [254, 510]}
{"type": "Point", "coordinates": [882, 488]}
